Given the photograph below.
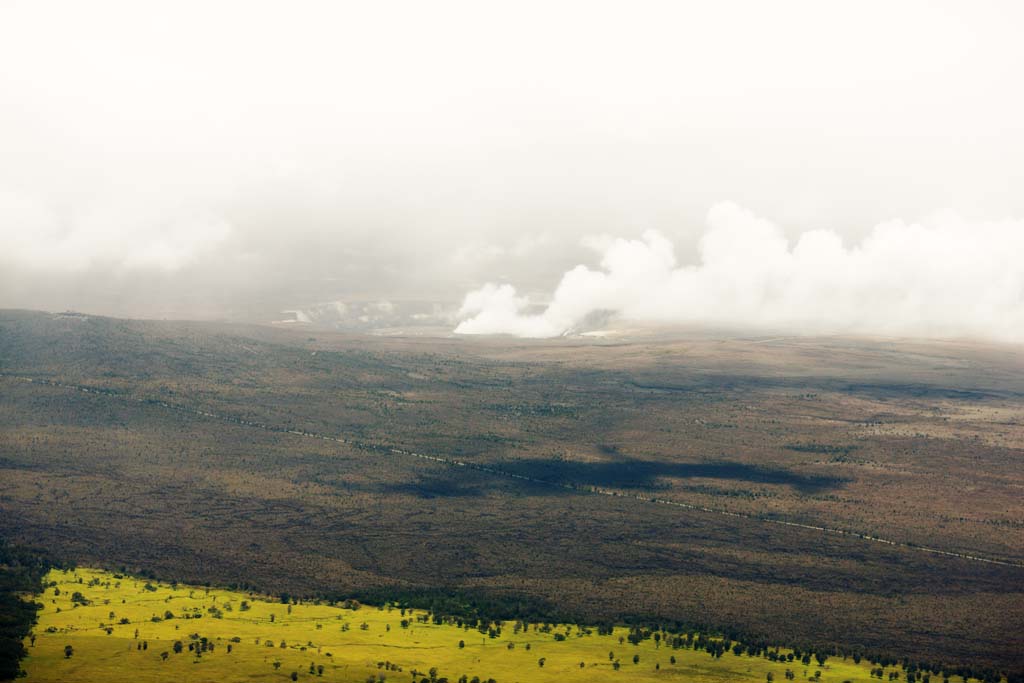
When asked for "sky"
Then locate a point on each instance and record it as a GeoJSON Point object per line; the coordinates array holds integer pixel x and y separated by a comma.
{"type": "Point", "coordinates": [528, 167]}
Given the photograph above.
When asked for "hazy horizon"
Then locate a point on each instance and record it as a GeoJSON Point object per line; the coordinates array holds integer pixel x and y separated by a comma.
{"type": "Point", "coordinates": [531, 170]}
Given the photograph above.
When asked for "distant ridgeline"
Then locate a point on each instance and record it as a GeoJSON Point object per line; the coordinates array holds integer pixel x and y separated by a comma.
{"type": "Point", "coordinates": [98, 625]}
{"type": "Point", "coordinates": [21, 577]}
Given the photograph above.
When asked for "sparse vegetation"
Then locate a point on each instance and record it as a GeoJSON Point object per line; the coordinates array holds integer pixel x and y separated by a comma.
{"type": "Point", "coordinates": [295, 473]}
{"type": "Point", "coordinates": [72, 645]}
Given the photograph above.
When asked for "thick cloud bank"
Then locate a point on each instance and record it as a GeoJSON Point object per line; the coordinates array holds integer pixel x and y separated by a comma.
{"type": "Point", "coordinates": [939, 278]}
{"type": "Point", "coordinates": [117, 237]}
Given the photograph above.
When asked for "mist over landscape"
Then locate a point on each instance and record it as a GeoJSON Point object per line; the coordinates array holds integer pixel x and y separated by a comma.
{"type": "Point", "coordinates": [230, 161]}
{"type": "Point", "coordinates": [483, 342]}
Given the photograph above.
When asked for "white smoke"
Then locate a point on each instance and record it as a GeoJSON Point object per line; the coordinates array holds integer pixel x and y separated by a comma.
{"type": "Point", "coordinates": [941, 277]}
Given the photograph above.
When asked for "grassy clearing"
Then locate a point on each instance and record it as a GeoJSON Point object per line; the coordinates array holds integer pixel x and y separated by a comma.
{"type": "Point", "coordinates": [124, 631]}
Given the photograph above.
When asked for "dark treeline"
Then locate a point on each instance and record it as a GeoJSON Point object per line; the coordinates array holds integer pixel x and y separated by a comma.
{"type": "Point", "coordinates": [915, 671]}
{"type": "Point", "coordinates": [486, 611]}
{"type": "Point", "coordinates": [21, 575]}
{"type": "Point", "coordinates": [463, 605]}
{"type": "Point", "coordinates": [481, 611]}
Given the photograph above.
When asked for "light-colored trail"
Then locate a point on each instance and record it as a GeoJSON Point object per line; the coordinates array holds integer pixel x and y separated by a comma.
{"type": "Point", "coordinates": [385, 449]}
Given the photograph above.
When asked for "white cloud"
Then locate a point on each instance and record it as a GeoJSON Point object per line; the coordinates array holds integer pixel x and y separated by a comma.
{"type": "Point", "coordinates": [472, 254]}
{"type": "Point", "coordinates": [112, 237]}
{"type": "Point", "coordinates": [944, 276]}
{"type": "Point", "coordinates": [366, 158]}
{"type": "Point", "coordinates": [484, 254]}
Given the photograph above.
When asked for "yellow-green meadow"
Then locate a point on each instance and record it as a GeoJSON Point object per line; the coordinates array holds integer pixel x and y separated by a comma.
{"type": "Point", "coordinates": [123, 628]}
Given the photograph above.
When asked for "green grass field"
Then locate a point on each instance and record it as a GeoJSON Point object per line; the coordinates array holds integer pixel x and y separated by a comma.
{"type": "Point", "coordinates": [269, 641]}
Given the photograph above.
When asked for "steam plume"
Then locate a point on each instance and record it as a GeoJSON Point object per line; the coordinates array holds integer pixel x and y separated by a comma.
{"type": "Point", "coordinates": [942, 277]}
